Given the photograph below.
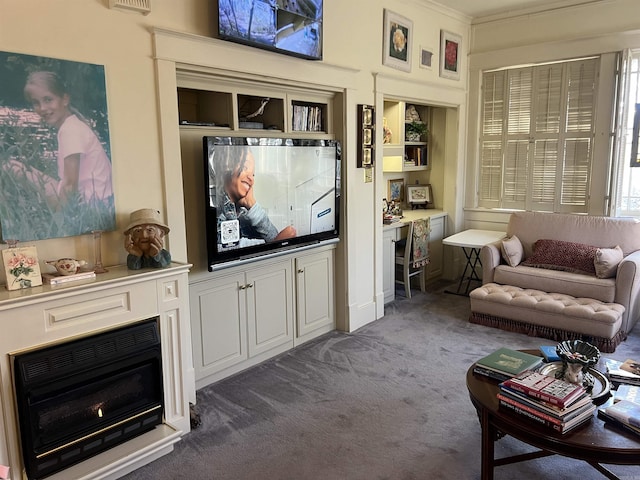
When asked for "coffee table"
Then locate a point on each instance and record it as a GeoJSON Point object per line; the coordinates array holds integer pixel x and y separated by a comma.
{"type": "Point", "coordinates": [596, 442]}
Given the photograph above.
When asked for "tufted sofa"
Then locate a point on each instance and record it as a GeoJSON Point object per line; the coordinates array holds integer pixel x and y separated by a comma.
{"type": "Point", "coordinates": [582, 280]}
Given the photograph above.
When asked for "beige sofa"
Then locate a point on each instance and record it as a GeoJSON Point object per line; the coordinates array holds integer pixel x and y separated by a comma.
{"type": "Point", "coordinates": [556, 301]}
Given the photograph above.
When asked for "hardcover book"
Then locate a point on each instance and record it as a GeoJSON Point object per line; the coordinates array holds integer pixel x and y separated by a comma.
{"type": "Point", "coordinates": [509, 362]}
{"type": "Point", "coordinates": [630, 393]}
{"type": "Point", "coordinates": [555, 411]}
{"type": "Point", "coordinates": [631, 365]}
{"type": "Point", "coordinates": [626, 412]}
{"type": "Point", "coordinates": [546, 388]}
{"type": "Point", "coordinates": [549, 353]}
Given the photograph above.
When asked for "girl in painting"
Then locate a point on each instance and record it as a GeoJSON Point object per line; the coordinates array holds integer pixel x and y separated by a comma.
{"type": "Point", "coordinates": [84, 169]}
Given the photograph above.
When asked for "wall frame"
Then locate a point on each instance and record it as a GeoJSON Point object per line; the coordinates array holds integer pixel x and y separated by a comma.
{"type": "Point", "coordinates": [366, 130]}
{"type": "Point", "coordinates": [398, 37]}
{"type": "Point", "coordinates": [450, 53]}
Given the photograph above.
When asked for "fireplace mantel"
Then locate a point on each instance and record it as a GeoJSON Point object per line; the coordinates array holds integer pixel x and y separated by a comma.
{"type": "Point", "coordinates": [45, 315]}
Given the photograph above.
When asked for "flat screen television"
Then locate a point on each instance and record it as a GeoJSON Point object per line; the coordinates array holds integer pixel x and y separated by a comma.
{"type": "Point", "coordinates": [269, 195]}
{"type": "Point", "coordinates": [293, 27]}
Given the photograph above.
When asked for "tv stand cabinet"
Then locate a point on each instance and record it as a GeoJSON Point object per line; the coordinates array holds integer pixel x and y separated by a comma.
{"type": "Point", "coordinates": [244, 315]}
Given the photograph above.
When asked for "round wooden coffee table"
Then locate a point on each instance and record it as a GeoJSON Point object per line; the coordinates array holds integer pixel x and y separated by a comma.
{"type": "Point", "coordinates": [595, 442]}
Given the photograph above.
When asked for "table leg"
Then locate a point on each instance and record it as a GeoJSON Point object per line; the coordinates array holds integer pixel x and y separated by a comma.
{"type": "Point", "coordinates": [473, 261]}
{"type": "Point", "coordinates": [488, 438]}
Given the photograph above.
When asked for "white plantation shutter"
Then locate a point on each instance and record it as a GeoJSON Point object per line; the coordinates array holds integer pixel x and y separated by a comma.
{"type": "Point", "coordinates": [536, 153]}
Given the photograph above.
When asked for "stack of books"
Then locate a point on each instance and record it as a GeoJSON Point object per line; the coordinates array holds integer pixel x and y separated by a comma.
{"type": "Point", "coordinates": [623, 413]}
{"type": "Point", "coordinates": [505, 363]}
{"type": "Point", "coordinates": [623, 372]}
{"type": "Point", "coordinates": [546, 400]}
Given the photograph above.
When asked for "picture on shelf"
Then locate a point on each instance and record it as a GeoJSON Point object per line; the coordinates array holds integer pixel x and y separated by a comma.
{"type": "Point", "coordinates": [396, 190]}
{"type": "Point", "coordinates": [420, 195]}
{"type": "Point", "coordinates": [22, 268]}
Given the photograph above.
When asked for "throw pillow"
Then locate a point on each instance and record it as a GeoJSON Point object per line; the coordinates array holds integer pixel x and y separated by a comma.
{"type": "Point", "coordinates": [512, 251]}
{"type": "Point", "coordinates": [607, 260]}
{"type": "Point", "coordinates": [561, 255]}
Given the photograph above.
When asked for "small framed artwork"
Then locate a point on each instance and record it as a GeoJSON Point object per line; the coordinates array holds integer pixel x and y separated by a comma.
{"type": "Point", "coordinates": [22, 268]}
{"type": "Point", "coordinates": [420, 196]}
{"type": "Point", "coordinates": [450, 55]}
{"type": "Point", "coordinates": [366, 129]}
{"type": "Point", "coordinates": [396, 190]}
{"type": "Point", "coordinates": [398, 37]}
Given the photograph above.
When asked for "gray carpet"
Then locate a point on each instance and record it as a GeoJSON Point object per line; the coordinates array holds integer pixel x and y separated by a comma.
{"type": "Point", "coordinates": [384, 403]}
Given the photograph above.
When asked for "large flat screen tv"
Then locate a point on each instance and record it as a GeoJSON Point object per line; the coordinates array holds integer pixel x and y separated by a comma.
{"type": "Point", "coordinates": [293, 27]}
{"type": "Point", "coordinates": [269, 195]}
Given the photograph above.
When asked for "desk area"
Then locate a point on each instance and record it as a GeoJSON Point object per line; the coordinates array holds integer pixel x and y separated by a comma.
{"type": "Point", "coordinates": [471, 241]}
{"type": "Point", "coordinates": [396, 231]}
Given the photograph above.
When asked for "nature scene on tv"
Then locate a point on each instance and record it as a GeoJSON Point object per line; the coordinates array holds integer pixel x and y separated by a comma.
{"type": "Point", "coordinates": [294, 26]}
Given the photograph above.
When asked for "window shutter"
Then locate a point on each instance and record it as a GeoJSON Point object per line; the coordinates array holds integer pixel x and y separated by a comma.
{"type": "Point", "coordinates": [536, 153]}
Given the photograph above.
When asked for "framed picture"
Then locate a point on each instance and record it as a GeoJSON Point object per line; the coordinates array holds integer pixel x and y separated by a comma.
{"type": "Point", "coordinates": [30, 134]}
{"type": "Point", "coordinates": [22, 268]}
{"type": "Point", "coordinates": [420, 195]}
{"type": "Point", "coordinates": [398, 37]}
{"type": "Point", "coordinates": [396, 190]}
{"type": "Point", "coordinates": [450, 55]}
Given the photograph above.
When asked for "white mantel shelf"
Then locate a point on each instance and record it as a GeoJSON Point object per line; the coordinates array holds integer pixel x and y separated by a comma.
{"type": "Point", "coordinates": [40, 316]}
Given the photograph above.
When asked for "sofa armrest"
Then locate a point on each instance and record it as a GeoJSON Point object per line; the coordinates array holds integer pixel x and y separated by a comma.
{"type": "Point", "coordinates": [628, 289]}
{"type": "Point", "coordinates": [490, 257]}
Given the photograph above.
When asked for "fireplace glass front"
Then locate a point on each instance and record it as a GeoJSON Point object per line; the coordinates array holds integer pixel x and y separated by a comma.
{"type": "Point", "coordinates": [82, 397]}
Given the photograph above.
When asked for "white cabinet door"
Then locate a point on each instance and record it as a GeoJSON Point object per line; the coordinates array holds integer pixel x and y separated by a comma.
{"type": "Point", "coordinates": [389, 236]}
{"type": "Point", "coordinates": [434, 270]}
{"type": "Point", "coordinates": [269, 307]}
{"type": "Point", "coordinates": [218, 324]}
{"type": "Point", "coordinates": [315, 310]}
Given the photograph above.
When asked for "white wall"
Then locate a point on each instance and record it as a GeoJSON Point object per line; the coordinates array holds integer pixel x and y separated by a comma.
{"type": "Point", "coordinates": [89, 31]}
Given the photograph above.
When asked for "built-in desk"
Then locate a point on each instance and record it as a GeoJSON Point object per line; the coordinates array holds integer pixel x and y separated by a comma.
{"type": "Point", "coordinates": [396, 231]}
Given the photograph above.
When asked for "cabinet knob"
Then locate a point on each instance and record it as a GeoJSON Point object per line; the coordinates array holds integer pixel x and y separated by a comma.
{"type": "Point", "coordinates": [242, 287]}
{"type": "Point", "coordinates": [300, 270]}
{"type": "Point", "coordinates": [249, 285]}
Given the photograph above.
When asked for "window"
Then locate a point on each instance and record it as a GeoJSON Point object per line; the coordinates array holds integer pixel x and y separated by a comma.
{"type": "Point", "coordinates": [627, 178]}
{"type": "Point", "coordinates": [537, 131]}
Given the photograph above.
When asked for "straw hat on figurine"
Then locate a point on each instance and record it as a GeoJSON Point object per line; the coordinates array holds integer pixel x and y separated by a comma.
{"type": "Point", "coordinates": [146, 216]}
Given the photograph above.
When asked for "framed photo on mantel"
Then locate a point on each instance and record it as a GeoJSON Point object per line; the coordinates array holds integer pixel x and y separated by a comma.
{"type": "Point", "coordinates": [22, 268]}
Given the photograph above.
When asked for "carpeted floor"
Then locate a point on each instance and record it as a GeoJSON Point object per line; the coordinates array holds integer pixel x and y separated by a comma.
{"type": "Point", "coordinates": [387, 402]}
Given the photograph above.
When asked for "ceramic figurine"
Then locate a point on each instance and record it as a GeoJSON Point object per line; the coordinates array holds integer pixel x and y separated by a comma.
{"type": "Point", "coordinates": [143, 240]}
{"type": "Point", "coordinates": [66, 266]}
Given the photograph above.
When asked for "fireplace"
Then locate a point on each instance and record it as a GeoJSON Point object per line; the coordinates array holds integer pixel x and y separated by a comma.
{"type": "Point", "coordinates": [81, 397]}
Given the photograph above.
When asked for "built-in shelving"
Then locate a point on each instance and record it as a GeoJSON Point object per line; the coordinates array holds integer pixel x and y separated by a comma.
{"type": "Point", "coordinates": [400, 153]}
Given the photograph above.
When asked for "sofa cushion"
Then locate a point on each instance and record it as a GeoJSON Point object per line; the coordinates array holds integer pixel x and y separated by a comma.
{"type": "Point", "coordinates": [512, 251]}
{"type": "Point", "coordinates": [574, 284]}
{"type": "Point", "coordinates": [606, 261]}
{"type": "Point", "coordinates": [560, 255]}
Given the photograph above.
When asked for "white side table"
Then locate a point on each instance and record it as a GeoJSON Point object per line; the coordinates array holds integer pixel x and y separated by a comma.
{"type": "Point", "coordinates": [471, 241]}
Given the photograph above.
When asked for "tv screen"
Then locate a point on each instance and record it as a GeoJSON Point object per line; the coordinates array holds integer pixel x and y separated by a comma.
{"type": "Point", "coordinates": [293, 27]}
{"type": "Point", "coordinates": [268, 195]}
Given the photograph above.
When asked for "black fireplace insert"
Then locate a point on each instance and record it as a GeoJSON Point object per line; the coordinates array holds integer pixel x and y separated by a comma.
{"type": "Point", "coordinates": [82, 397]}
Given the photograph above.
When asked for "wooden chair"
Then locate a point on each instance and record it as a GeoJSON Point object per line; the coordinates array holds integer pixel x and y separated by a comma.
{"type": "Point", "coordinates": [405, 256]}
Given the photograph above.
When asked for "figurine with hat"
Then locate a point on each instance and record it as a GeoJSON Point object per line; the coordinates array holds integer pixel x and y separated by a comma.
{"type": "Point", "coordinates": [143, 240]}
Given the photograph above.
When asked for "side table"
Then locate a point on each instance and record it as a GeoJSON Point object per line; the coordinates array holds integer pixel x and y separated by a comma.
{"type": "Point", "coordinates": [471, 241]}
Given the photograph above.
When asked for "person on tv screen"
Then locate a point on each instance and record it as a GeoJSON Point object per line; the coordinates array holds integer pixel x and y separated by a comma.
{"type": "Point", "coordinates": [241, 219]}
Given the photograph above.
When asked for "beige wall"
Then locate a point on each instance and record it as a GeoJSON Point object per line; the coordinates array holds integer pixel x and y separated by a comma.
{"type": "Point", "coordinates": [89, 31]}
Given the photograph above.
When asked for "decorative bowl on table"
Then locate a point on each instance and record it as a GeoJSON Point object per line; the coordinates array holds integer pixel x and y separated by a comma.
{"type": "Point", "coordinates": [577, 358]}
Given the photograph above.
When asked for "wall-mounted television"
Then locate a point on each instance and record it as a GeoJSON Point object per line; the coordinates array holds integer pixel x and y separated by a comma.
{"type": "Point", "coordinates": [293, 27]}
{"type": "Point", "coordinates": [266, 196]}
